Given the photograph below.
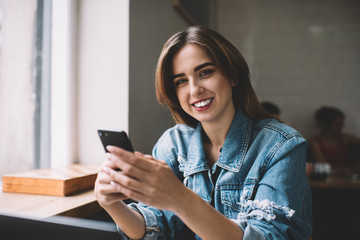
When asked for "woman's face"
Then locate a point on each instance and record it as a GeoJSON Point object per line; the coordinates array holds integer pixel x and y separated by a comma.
{"type": "Point", "coordinates": [202, 89]}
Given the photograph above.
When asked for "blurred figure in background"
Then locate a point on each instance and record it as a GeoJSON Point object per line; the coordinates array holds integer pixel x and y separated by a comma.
{"type": "Point", "coordinates": [332, 145]}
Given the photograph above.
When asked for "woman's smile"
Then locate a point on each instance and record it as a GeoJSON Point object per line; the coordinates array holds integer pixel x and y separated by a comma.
{"type": "Point", "coordinates": [203, 105]}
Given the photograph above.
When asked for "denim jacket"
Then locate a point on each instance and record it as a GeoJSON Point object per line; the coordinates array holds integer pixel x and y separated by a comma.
{"type": "Point", "coordinates": [261, 184]}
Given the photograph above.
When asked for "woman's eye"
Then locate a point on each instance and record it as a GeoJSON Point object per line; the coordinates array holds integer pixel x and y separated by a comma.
{"type": "Point", "coordinates": [179, 82]}
{"type": "Point", "coordinates": [206, 72]}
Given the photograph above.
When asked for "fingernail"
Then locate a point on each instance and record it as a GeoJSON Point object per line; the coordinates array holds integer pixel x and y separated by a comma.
{"type": "Point", "coordinates": [109, 148]}
{"type": "Point", "coordinates": [108, 155]}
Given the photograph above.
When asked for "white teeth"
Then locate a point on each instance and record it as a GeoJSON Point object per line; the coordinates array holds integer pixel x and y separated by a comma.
{"type": "Point", "coordinates": [203, 103]}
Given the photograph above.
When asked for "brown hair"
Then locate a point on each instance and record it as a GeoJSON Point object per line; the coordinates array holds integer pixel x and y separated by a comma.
{"type": "Point", "coordinates": [225, 56]}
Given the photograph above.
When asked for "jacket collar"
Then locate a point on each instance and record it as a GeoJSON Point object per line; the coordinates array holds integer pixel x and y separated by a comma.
{"type": "Point", "coordinates": [233, 151]}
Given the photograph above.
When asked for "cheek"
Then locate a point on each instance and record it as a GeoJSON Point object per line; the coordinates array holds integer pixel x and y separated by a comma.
{"type": "Point", "coordinates": [224, 83]}
{"type": "Point", "coordinates": [181, 96]}
{"type": "Point", "coordinates": [226, 88]}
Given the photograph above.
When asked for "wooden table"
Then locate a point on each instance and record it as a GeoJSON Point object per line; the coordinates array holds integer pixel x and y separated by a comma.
{"type": "Point", "coordinates": [79, 205]}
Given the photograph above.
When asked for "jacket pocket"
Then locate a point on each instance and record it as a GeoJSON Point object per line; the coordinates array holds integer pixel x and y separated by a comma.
{"type": "Point", "coordinates": [231, 197]}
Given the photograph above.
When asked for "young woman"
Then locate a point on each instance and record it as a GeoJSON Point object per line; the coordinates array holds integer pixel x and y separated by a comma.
{"type": "Point", "coordinates": [226, 170]}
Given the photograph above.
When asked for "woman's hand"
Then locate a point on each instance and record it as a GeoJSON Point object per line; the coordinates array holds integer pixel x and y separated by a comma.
{"type": "Point", "coordinates": [153, 183]}
{"type": "Point", "coordinates": [110, 198]}
{"type": "Point", "coordinates": [144, 179]}
{"type": "Point", "coordinates": [104, 189]}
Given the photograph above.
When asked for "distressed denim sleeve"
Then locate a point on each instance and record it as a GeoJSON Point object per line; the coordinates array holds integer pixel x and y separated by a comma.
{"type": "Point", "coordinates": [151, 226]}
{"type": "Point", "coordinates": [161, 224]}
{"type": "Point", "coordinates": [281, 206]}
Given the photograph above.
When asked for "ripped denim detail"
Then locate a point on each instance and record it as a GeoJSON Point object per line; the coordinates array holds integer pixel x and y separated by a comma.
{"type": "Point", "coordinates": [264, 209]}
{"type": "Point", "coordinates": [182, 162]}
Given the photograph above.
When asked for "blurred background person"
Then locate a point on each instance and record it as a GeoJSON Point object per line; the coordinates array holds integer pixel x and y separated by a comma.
{"type": "Point", "coordinates": [331, 145]}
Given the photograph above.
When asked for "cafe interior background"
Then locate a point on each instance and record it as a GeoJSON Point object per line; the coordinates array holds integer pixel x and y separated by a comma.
{"type": "Point", "coordinates": [68, 68]}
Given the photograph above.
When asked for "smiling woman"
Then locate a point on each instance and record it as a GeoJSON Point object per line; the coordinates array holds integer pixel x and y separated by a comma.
{"type": "Point", "coordinates": [226, 158]}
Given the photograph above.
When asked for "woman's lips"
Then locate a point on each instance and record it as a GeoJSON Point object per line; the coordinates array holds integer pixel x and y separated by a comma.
{"type": "Point", "coordinates": [203, 104]}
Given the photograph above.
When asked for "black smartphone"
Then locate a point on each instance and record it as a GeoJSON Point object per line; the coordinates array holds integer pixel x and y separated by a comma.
{"type": "Point", "coordinates": [118, 139]}
{"type": "Point", "coordinates": [115, 138]}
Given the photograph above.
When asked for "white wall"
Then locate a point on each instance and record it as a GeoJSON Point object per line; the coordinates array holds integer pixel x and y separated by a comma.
{"type": "Point", "coordinates": [103, 74]}
{"type": "Point", "coordinates": [17, 100]}
{"type": "Point", "coordinates": [302, 54]}
{"type": "Point", "coordinates": [63, 101]}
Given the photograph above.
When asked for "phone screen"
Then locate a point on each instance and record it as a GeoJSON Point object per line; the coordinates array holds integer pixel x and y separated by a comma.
{"type": "Point", "coordinates": [115, 138]}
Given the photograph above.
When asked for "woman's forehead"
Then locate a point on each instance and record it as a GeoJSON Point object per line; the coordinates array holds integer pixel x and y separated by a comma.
{"type": "Point", "coordinates": [189, 55]}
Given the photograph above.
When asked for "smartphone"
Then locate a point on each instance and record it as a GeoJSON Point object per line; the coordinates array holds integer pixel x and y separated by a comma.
{"type": "Point", "coordinates": [115, 138]}
{"type": "Point", "coordinates": [118, 139]}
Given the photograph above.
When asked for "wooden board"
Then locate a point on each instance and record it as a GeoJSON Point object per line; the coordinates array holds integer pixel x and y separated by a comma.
{"type": "Point", "coordinates": [62, 181]}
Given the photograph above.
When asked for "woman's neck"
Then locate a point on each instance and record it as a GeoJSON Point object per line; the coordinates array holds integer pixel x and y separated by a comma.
{"type": "Point", "coordinates": [215, 133]}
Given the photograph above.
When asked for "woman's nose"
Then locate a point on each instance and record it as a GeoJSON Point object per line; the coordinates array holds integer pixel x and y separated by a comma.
{"type": "Point", "coordinates": [195, 87]}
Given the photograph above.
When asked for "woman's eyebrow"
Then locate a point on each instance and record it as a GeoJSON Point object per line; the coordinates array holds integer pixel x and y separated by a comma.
{"type": "Point", "coordinates": [178, 75]}
{"type": "Point", "coordinates": [197, 68]}
{"type": "Point", "coordinates": [203, 65]}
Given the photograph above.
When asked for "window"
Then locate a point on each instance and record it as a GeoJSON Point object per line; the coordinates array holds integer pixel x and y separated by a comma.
{"type": "Point", "coordinates": [42, 84]}
{"type": "Point", "coordinates": [86, 44]}
{"type": "Point", "coordinates": [24, 84]}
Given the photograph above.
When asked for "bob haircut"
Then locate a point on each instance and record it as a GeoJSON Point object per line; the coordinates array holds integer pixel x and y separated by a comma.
{"type": "Point", "coordinates": [226, 58]}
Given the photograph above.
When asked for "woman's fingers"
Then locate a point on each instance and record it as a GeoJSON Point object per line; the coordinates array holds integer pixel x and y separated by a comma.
{"type": "Point", "coordinates": [147, 156]}
{"type": "Point", "coordinates": [137, 189]}
{"type": "Point", "coordinates": [109, 198]}
{"type": "Point", "coordinates": [128, 191]}
{"type": "Point", "coordinates": [128, 161]}
{"type": "Point", "coordinates": [143, 178]}
{"type": "Point", "coordinates": [121, 182]}
{"type": "Point", "coordinates": [105, 191]}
